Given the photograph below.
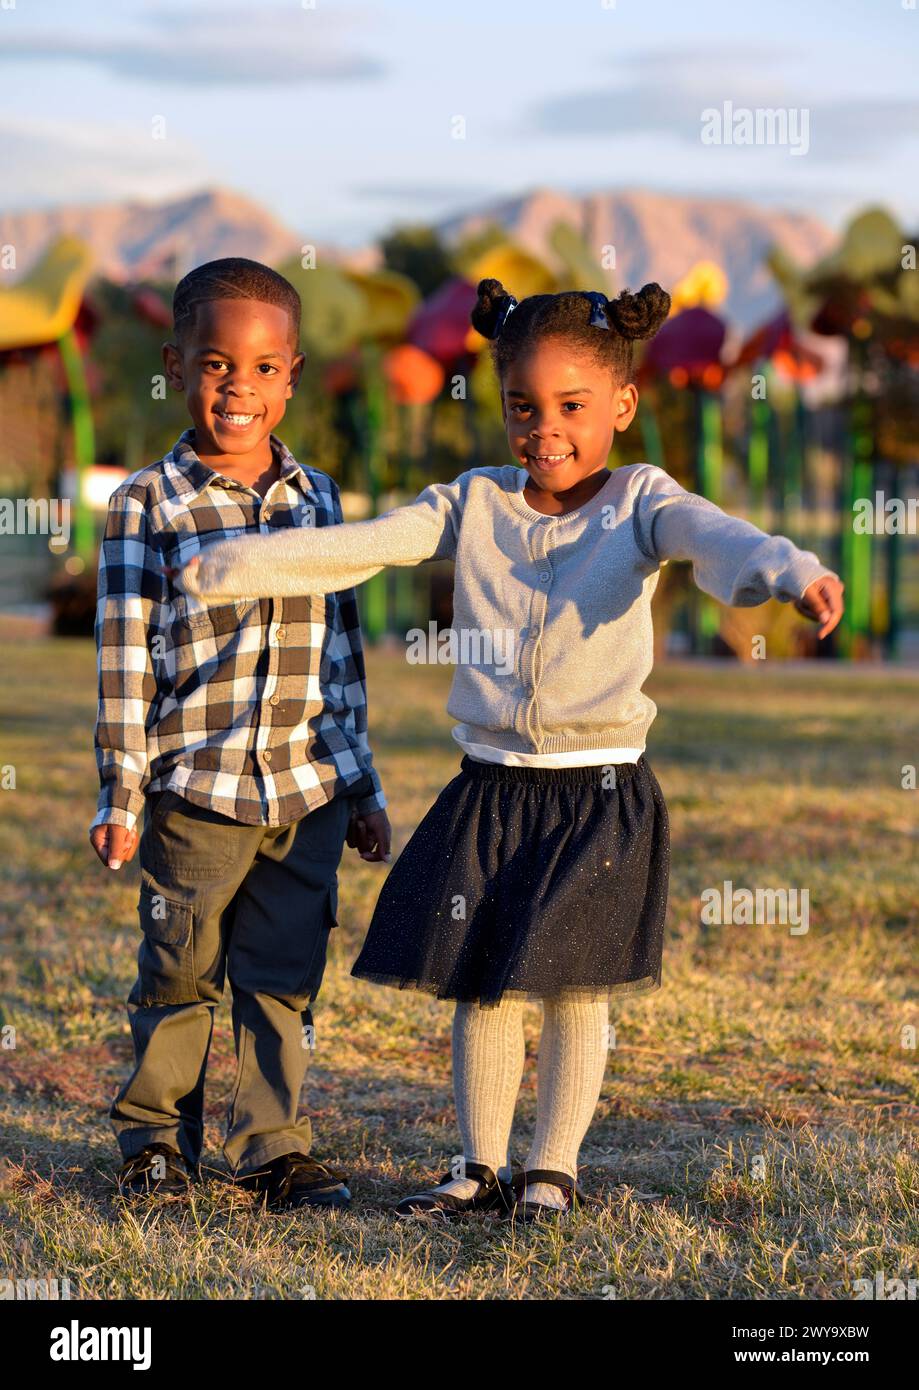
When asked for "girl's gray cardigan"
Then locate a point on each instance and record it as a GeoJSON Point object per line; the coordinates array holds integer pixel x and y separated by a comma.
{"type": "Point", "coordinates": [551, 614]}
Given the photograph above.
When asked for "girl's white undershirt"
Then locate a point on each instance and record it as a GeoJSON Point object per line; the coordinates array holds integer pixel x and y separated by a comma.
{"type": "Point", "coordinates": [589, 757]}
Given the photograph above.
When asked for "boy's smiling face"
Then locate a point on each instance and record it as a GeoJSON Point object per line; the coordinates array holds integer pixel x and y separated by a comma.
{"type": "Point", "coordinates": [238, 367]}
{"type": "Point", "coordinates": [561, 410]}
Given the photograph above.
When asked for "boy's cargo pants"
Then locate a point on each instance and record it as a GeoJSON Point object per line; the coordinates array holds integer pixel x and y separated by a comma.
{"type": "Point", "coordinates": [255, 903]}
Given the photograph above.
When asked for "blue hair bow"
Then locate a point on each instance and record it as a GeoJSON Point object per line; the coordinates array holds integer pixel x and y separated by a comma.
{"type": "Point", "coordinates": [598, 318]}
{"type": "Point", "coordinates": [507, 308]}
{"type": "Point", "coordinates": [598, 303]}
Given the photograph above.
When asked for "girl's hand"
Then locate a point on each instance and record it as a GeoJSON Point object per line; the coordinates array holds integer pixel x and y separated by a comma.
{"type": "Point", "coordinates": [822, 603]}
{"type": "Point", "coordinates": [371, 835]}
{"type": "Point", "coordinates": [173, 571]}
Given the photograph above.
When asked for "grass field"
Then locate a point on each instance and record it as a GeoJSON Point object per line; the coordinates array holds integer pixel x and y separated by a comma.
{"type": "Point", "coordinates": [756, 1136]}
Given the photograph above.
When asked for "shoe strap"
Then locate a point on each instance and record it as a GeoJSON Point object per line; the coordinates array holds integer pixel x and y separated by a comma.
{"type": "Point", "coordinates": [482, 1173]}
{"type": "Point", "coordinates": [479, 1172]}
{"type": "Point", "coordinates": [547, 1175]}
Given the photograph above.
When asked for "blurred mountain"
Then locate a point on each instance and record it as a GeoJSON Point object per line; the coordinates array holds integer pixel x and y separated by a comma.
{"type": "Point", "coordinates": [140, 240]}
{"type": "Point", "coordinates": [656, 236]}
{"type": "Point", "coordinates": [660, 236]}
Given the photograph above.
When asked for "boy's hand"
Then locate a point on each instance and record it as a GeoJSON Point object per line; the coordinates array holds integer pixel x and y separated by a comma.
{"type": "Point", "coordinates": [822, 602]}
{"type": "Point", "coordinates": [371, 835]}
{"type": "Point", "coordinates": [113, 844]}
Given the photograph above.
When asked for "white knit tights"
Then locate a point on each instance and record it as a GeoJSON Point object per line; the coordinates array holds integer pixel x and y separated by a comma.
{"type": "Point", "coordinates": [488, 1056]}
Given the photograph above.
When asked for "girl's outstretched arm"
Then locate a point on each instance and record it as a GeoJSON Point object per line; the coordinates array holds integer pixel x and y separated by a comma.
{"type": "Point", "coordinates": [732, 559]}
{"type": "Point", "coordinates": [326, 559]}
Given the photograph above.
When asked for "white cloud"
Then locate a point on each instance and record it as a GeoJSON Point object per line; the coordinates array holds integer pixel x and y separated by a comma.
{"type": "Point", "coordinates": [51, 162]}
{"type": "Point", "coordinates": [664, 92]}
{"type": "Point", "coordinates": [253, 45]}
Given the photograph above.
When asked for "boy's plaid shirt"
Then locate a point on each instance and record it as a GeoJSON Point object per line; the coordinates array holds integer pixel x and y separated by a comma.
{"type": "Point", "coordinates": [256, 709]}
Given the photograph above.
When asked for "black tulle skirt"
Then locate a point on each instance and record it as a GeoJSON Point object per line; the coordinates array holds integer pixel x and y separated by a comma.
{"type": "Point", "coordinates": [529, 882]}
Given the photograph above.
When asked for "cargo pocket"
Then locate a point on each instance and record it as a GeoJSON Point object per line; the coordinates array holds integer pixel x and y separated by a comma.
{"type": "Point", "coordinates": [166, 960]}
{"type": "Point", "coordinates": [313, 978]}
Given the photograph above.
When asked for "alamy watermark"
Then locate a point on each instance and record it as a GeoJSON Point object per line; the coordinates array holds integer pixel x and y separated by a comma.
{"type": "Point", "coordinates": [759, 907]}
{"type": "Point", "coordinates": [76, 1343]}
{"type": "Point", "coordinates": [760, 125]}
{"type": "Point", "coordinates": [43, 1289]}
{"type": "Point", "coordinates": [37, 516]}
{"type": "Point", "coordinates": [882, 1288]}
{"type": "Point", "coordinates": [468, 646]}
{"type": "Point", "coordinates": [885, 516]}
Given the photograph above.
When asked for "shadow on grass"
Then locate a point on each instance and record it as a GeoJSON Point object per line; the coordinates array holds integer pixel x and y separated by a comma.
{"type": "Point", "coordinates": [391, 1144]}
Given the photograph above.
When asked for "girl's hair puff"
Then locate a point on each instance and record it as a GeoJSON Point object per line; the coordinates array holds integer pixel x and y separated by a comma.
{"type": "Point", "coordinates": [567, 315]}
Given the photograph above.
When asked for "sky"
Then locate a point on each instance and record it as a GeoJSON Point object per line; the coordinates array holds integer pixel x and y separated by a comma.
{"type": "Point", "coordinates": [341, 118]}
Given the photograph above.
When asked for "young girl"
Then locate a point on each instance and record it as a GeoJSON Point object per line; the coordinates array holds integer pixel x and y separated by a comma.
{"type": "Point", "coordinates": [541, 871]}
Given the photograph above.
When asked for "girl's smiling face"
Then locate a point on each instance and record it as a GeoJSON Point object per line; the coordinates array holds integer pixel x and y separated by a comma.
{"type": "Point", "coordinates": [561, 410]}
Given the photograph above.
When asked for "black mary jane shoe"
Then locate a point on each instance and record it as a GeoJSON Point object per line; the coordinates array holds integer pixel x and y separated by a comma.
{"type": "Point", "coordinates": [524, 1213]}
{"type": "Point", "coordinates": [493, 1195]}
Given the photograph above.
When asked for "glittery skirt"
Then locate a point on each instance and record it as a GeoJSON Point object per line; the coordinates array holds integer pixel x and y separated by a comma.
{"type": "Point", "coordinates": [531, 883]}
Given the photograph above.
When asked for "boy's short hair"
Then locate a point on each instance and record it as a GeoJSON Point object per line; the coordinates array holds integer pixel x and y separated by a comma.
{"type": "Point", "coordinates": [234, 277]}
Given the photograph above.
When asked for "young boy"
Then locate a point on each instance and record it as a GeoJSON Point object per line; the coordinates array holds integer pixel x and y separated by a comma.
{"type": "Point", "coordinates": [241, 729]}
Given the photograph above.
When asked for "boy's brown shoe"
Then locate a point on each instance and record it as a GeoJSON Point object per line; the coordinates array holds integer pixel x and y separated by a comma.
{"type": "Point", "coordinates": [298, 1180]}
{"type": "Point", "coordinates": [157, 1169]}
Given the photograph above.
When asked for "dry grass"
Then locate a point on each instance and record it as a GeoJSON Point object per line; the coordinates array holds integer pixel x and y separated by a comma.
{"type": "Point", "coordinates": [756, 1133]}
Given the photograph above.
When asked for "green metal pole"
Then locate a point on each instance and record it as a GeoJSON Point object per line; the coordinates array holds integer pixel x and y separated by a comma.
{"type": "Point", "coordinates": [651, 433]}
{"type": "Point", "coordinates": [84, 442]}
{"type": "Point", "coordinates": [758, 452]}
{"type": "Point", "coordinates": [778, 461]}
{"type": "Point", "coordinates": [794, 476]}
{"type": "Point", "coordinates": [846, 496]}
{"type": "Point", "coordinates": [894, 576]}
{"type": "Point", "coordinates": [856, 547]}
{"type": "Point", "coordinates": [711, 462]}
{"type": "Point", "coordinates": [862, 542]}
{"type": "Point", "coordinates": [404, 578]}
{"type": "Point", "coordinates": [712, 459]}
{"type": "Point", "coordinates": [374, 590]}
{"type": "Point", "coordinates": [807, 517]}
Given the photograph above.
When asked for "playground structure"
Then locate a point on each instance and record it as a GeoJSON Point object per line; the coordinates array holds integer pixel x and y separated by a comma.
{"type": "Point", "coordinates": [45, 313]}
{"type": "Point", "coordinates": [792, 428]}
